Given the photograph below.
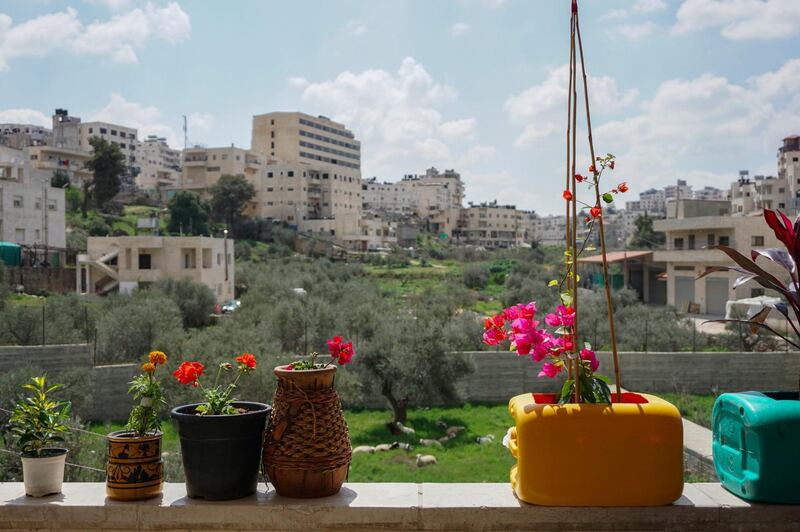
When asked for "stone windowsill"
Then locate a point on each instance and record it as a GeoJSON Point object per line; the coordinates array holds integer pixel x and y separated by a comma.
{"type": "Point", "coordinates": [388, 506]}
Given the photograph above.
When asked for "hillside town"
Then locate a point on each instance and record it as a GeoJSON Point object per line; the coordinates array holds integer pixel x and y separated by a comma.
{"type": "Point", "coordinates": [306, 175]}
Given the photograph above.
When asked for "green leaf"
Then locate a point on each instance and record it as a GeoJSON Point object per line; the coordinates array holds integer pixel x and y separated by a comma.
{"type": "Point", "coordinates": [608, 197]}
{"type": "Point", "coordinates": [552, 283]}
{"type": "Point", "coordinates": [602, 378]}
{"type": "Point", "coordinates": [566, 391]}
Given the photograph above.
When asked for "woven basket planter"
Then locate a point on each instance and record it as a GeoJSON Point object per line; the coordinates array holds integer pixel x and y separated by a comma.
{"type": "Point", "coordinates": [307, 445]}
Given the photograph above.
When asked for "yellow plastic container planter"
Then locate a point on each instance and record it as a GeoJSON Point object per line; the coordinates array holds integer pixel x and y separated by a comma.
{"type": "Point", "coordinates": [629, 453]}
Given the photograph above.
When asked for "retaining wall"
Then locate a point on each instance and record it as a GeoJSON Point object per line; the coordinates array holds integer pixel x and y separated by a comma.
{"type": "Point", "coordinates": [47, 357]}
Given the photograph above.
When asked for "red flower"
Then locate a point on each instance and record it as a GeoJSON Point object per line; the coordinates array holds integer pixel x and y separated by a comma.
{"type": "Point", "coordinates": [596, 212]}
{"type": "Point", "coordinates": [346, 353]}
{"type": "Point", "coordinates": [567, 195]}
{"type": "Point", "coordinates": [592, 169]}
{"type": "Point", "coordinates": [587, 219]}
{"type": "Point", "coordinates": [579, 178]}
{"type": "Point", "coordinates": [247, 359]}
{"type": "Point", "coordinates": [340, 350]}
{"type": "Point", "coordinates": [189, 372]}
{"type": "Point", "coordinates": [622, 187]}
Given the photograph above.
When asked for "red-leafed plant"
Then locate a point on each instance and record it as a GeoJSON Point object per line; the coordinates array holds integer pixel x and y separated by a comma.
{"type": "Point", "coordinates": [789, 235]}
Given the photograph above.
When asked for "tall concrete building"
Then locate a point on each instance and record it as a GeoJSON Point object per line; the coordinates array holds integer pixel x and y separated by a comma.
{"type": "Point", "coordinates": [32, 213]}
{"type": "Point", "coordinates": [159, 165]}
{"type": "Point", "coordinates": [202, 168]}
{"type": "Point", "coordinates": [125, 138]}
{"type": "Point", "coordinates": [491, 225]}
{"type": "Point", "coordinates": [789, 168]}
{"type": "Point", "coordinates": [21, 136]}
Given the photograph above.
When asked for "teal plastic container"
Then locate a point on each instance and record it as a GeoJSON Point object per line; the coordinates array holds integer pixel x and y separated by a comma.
{"type": "Point", "coordinates": [756, 445]}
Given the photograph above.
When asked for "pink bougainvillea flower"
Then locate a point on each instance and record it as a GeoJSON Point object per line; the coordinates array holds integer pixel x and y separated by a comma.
{"type": "Point", "coordinates": [591, 357]}
{"type": "Point", "coordinates": [520, 311]}
{"type": "Point", "coordinates": [564, 316]}
{"type": "Point", "coordinates": [494, 336]}
{"type": "Point", "coordinates": [550, 369]}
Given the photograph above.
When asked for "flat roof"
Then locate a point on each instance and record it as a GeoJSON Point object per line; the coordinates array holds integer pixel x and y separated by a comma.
{"type": "Point", "coordinates": [615, 256]}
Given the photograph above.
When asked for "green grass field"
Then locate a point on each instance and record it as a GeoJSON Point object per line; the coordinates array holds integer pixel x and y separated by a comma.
{"type": "Point", "coordinates": [695, 408]}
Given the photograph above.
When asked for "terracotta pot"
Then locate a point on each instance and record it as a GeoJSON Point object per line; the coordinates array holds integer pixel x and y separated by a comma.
{"type": "Point", "coordinates": [44, 474]}
{"type": "Point", "coordinates": [135, 470]}
{"type": "Point", "coordinates": [307, 445]}
{"type": "Point", "coordinates": [627, 453]}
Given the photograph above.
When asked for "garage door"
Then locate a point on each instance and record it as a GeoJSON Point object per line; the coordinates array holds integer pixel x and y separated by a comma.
{"type": "Point", "coordinates": [684, 292]}
{"type": "Point", "coordinates": [716, 295]}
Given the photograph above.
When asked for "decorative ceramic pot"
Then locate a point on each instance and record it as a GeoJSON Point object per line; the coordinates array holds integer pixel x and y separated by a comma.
{"type": "Point", "coordinates": [44, 474]}
{"type": "Point", "coordinates": [755, 438]}
{"type": "Point", "coordinates": [628, 453]}
{"type": "Point", "coordinates": [307, 446]}
{"type": "Point", "coordinates": [135, 470]}
{"type": "Point", "coordinates": [221, 454]}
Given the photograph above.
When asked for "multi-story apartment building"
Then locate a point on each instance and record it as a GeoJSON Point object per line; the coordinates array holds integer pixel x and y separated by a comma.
{"type": "Point", "coordinates": [692, 227]}
{"type": "Point", "coordinates": [324, 160]}
{"type": "Point", "coordinates": [159, 165]}
{"type": "Point", "coordinates": [434, 197]}
{"type": "Point", "coordinates": [32, 213]}
{"type": "Point", "coordinates": [762, 192]}
{"type": "Point", "coordinates": [202, 168]}
{"type": "Point", "coordinates": [64, 153]}
{"type": "Point", "coordinates": [710, 193]}
{"type": "Point", "coordinates": [651, 201]}
{"type": "Point", "coordinates": [789, 168]}
{"type": "Point", "coordinates": [126, 263]}
{"type": "Point", "coordinates": [293, 137]}
{"type": "Point", "coordinates": [21, 136]}
{"type": "Point", "coordinates": [548, 230]}
{"type": "Point", "coordinates": [491, 225]}
{"type": "Point", "coordinates": [125, 138]}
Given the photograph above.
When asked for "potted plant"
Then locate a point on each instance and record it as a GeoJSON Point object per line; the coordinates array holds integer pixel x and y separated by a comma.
{"type": "Point", "coordinates": [586, 445]}
{"type": "Point", "coordinates": [38, 422]}
{"type": "Point", "coordinates": [135, 470]}
{"type": "Point", "coordinates": [307, 449]}
{"type": "Point", "coordinates": [221, 437]}
{"type": "Point", "coordinates": [755, 433]}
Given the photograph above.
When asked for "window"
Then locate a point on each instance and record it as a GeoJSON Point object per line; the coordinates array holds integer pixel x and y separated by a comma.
{"type": "Point", "coordinates": [269, 174]}
{"type": "Point", "coordinates": [114, 132]}
{"type": "Point", "coordinates": [213, 169]}
{"type": "Point", "coordinates": [678, 243]}
{"type": "Point", "coordinates": [37, 235]}
{"type": "Point", "coordinates": [37, 204]}
{"type": "Point", "coordinates": [269, 189]}
{"type": "Point", "coordinates": [272, 134]}
{"type": "Point", "coordinates": [18, 202]}
{"type": "Point", "coordinates": [19, 235]}
{"type": "Point", "coordinates": [757, 241]}
{"type": "Point", "coordinates": [272, 145]}
{"type": "Point", "coordinates": [90, 131]}
{"type": "Point", "coordinates": [710, 240]}
{"type": "Point", "coordinates": [724, 241]}
{"type": "Point", "coordinates": [290, 173]}
{"type": "Point", "coordinates": [691, 241]}
{"type": "Point", "coordinates": [103, 131]}
{"type": "Point", "coordinates": [219, 259]}
{"type": "Point", "coordinates": [145, 261]}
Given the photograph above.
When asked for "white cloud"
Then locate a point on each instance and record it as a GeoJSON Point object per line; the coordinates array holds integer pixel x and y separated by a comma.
{"type": "Point", "coordinates": [541, 109]}
{"type": "Point", "coordinates": [705, 122]}
{"type": "Point", "coordinates": [118, 37]}
{"type": "Point", "coordinates": [201, 121]}
{"type": "Point", "coordinates": [635, 32]}
{"type": "Point", "coordinates": [354, 28]}
{"type": "Point", "coordinates": [114, 5]}
{"type": "Point", "coordinates": [740, 19]}
{"type": "Point", "coordinates": [399, 116]}
{"type": "Point", "coordinates": [25, 116]}
{"type": "Point", "coordinates": [648, 6]}
{"type": "Point", "coordinates": [147, 119]}
{"type": "Point", "coordinates": [459, 28]}
{"type": "Point", "coordinates": [614, 14]}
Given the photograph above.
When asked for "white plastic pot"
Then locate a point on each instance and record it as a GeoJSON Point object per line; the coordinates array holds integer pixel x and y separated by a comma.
{"type": "Point", "coordinates": [44, 475]}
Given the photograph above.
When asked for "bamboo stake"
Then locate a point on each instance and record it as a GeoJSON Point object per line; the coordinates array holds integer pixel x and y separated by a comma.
{"type": "Point", "coordinates": [609, 304]}
{"type": "Point", "coordinates": [574, 110]}
{"type": "Point", "coordinates": [568, 223]}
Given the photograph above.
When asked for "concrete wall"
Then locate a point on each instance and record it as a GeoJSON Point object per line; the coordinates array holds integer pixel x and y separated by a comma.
{"type": "Point", "coordinates": [48, 357]}
{"type": "Point", "coordinates": [110, 399]}
{"type": "Point", "coordinates": [35, 280]}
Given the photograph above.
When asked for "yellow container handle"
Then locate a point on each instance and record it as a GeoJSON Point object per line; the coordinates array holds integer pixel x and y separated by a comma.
{"type": "Point", "coordinates": [512, 443]}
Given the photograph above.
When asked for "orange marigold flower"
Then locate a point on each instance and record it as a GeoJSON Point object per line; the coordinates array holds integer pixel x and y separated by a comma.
{"type": "Point", "coordinates": [247, 359]}
{"type": "Point", "coordinates": [567, 195]}
{"type": "Point", "coordinates": [149, 367]}
{"type": "Point", "coordinates": [158, 358]}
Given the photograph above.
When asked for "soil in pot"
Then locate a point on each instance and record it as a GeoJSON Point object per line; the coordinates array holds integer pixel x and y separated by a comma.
{"type": "Point", "coordinates": [135, 470]}
{"type": "Point", "coordinates": [307, 447]}
{"type": "Point", "coordinates": [44, 474]}
{"type": "Point", "coordinates": [221, 454]}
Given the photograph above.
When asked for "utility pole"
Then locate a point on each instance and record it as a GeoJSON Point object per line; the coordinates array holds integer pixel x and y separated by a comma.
{"type": "Point", "coordinates": [185, 133]}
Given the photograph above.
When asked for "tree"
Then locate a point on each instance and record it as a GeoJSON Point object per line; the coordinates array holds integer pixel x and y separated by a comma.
{"type": "Point", "coordinates": [60, 179]}
{"type": "Point", "coordinates": [195, 300]}
{"type": "Point", "coordinates": [645, 236]}
{"type": "Point", "coordinates": [107, 164]}
{"type": "Point", "coordinates": [228, 198]}
{"type": "Point", "coordinates": [188, 214]}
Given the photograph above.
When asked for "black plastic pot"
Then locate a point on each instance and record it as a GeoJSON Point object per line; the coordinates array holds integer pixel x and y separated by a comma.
{"type": "Point", "coordinates": [221, 454]}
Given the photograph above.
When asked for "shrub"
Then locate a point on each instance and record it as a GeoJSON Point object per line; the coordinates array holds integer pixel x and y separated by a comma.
{"type": "Point", "coordinates": [195, 300]}
{"type": "Point", "coordinates": [476, 277]}
{"type": "Point", "coordinates": [98, 227]}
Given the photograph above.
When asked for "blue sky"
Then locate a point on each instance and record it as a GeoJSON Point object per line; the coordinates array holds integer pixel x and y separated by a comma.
{"type": "Point", "coordinates": [690, 89]}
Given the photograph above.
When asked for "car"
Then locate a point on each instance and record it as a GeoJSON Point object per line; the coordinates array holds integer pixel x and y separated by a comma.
{"type": "Point", "coordinates": [231, 306]}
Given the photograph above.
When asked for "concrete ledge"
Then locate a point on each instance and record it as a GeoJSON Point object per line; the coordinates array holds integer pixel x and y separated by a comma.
{"type": "Point", "coordinates": [389, 506]}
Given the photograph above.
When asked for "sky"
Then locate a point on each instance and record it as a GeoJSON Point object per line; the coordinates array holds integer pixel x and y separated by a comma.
{"type": "Point", "coordinates": [679, 89]}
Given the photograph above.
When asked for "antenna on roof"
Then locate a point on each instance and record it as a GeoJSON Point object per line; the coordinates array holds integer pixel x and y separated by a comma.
{"type": "Point", "coordinates": [185, 132]}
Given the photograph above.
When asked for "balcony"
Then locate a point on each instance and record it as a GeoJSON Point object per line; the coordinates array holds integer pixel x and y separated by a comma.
{"type": "Point", "coordinates": [690, 255]}
{"type": "Point", "coordinates": [695, 223]}
{"type": "Point", "coordinates": [389, 506]}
